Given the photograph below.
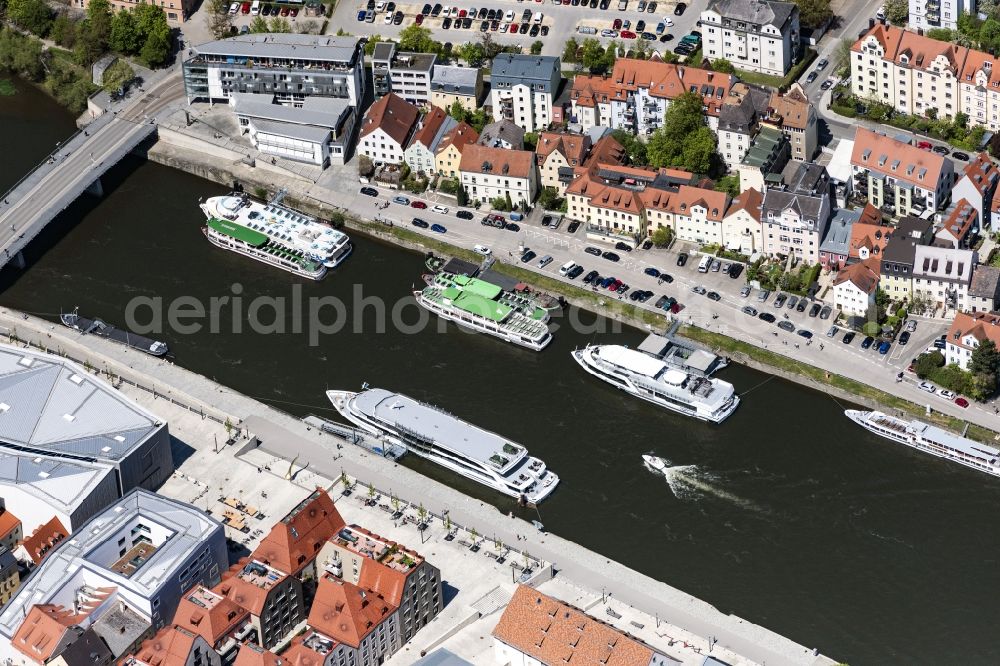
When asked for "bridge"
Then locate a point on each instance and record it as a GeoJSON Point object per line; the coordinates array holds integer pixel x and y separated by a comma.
{"type": "Point", "coordinates": [76, 166]}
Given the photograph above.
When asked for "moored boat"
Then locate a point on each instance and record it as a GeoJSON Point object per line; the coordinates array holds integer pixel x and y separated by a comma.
{"type": "Point", "coordinates": [101, 329]}
{"type": "Point", "coordinates": [243, 240]}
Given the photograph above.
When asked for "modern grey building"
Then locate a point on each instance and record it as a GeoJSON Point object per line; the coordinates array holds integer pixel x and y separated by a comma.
{"type": "Point", "coordinates": [142, 553]}
{"type": "Point", "coordinates": [316, 130]}
{"type": "Point", "coordinates": [406, 74]}
{"type": "Point", "coordinates": [289, 66]}
{"type": "Point", "coordinates": [755, 35]}
{"type": "Point", "coordinates": [523, 89]}
{"type": "Point", "coordinates": [70, 444]}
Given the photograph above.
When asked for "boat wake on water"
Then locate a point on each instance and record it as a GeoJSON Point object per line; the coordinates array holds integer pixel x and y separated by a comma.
{"type": "Point", "coordinates": [692, 483]}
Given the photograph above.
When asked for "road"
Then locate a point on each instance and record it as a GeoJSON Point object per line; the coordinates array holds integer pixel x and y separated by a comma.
{"type": "Point", "coordinates": [562, 20]}
{"type": "Point", "coordinates": [72, 168]}
{"type": "Point", "coordinates": [724, 316]}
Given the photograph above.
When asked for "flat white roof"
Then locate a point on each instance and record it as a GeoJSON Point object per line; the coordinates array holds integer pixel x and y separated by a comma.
{"type": "Point", "coordinates": [631, 360]}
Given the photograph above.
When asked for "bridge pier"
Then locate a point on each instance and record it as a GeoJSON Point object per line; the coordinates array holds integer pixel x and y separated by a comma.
{"type": "Point", "coordinates": [95, 189]}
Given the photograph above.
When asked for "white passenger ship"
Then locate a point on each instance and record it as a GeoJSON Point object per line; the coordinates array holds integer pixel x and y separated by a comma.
{"type": "Point", "coordinates": [930, 439]}
{"type": "Point", "coordinates": [486, 308]}
{"type": "Point", "coordinates": [296, 232]}
{"type": "Point", "coordinates": [428, 432]}
{"type": "Point", "coordinates": [253, 244]}
{"type": "Point", "coordinates": [652, 379]}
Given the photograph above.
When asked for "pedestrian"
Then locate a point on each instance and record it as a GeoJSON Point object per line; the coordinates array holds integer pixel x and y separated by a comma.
{"type": "Point", "coordinates": [796, 345]}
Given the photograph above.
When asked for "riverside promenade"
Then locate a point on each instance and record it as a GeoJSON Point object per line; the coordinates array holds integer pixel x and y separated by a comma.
{"type": "Point", "coordinates": [289, 438]}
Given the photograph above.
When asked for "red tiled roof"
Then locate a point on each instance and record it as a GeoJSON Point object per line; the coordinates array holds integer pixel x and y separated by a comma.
{"type": "Point", "coordinates": [502, 162]}
{"type": "Point", "coordinates": [243, 592]}
{"type": "Point", "coordinates": [871, 236]}
{"type": "Point", "coordinates": [171, 646]}
{"type": "Point", "coordinates": [688, 197]}
{"type": "Point", "coordinates": [394, 115]}
{"type": "Point", "coordinates": [877, 152]}
{"type": "Point", "coordinates": [981, 325]}
{"type": "Point", "coordinates": [554, 632]}
{"type": "Point", "coordinates": [43, 539]}
{"type": "Point", "coordinates": [573, 147]}
{"type": "Point", "coordinates": [608, 151]}
{"type": "Point", "coordinates": [295, 540]}
{"type": "Point", "coordinates": [863, 275]}
{"type": "Point", "coordinates": [41, 632]}
{"type": "Point", "coordinates": [749, 200]}
{"type": "Point", "coordinates": [961, 220]}
{"type": "Point", "coordinates": [460, 135]}
{"type": "Point", "coordinates": [8, 523]}
{"type": "Point", "coordinates": [919, 51]}
{"type": "Point", "coordinates": [209, 614]}
{"type": "Point", "coordinates": [432, 122]}
{"type": "Point", "coordinates": [346, 612]}
{"type": "Point", "coordinates": [982, 172]}
{"type": "Point", "coordinates": [298, 654]}
{"type": "Point", "coordinates": [251, 654]}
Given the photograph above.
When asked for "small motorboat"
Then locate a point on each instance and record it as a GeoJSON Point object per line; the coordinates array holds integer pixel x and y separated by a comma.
{"type": "Point", "coordinates": [538, 526]}
{"type": "Point", "coordinates": [655, 463]}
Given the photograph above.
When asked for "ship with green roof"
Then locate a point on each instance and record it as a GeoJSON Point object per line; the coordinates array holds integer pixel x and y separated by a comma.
{"type": "Point", "coordinates": [256, 245]}
{"type": "Point", "coordinates": [485, 307]}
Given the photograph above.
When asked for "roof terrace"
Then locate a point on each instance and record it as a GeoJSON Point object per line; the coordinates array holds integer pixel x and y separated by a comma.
{"type": "Point", "coordinates": [260, 575]}
{"type": "Point", "coordinates": [364, 543]}
{"type": "Point", "coordinates": [133, 560]}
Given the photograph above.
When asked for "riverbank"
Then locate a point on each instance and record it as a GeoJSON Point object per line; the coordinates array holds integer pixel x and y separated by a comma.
{"type": "Point", "coordinates": [186, 158]}
{"type": "Point", "coordinates": [288, 437]}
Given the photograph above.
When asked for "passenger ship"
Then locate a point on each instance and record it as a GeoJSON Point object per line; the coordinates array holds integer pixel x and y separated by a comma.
{"type": "Point", "coordinates": [655, 381]}
{"type": "Point", "coordinates": [486, 308]}
{"type": "Point", "coordinates": [296, 233]}
{"type": "Point", "coordinates": [253, 244]}
{"type": "Point", "coordinates": [431, 433]}
{"type": "Point", "coordinates": [930, 439]}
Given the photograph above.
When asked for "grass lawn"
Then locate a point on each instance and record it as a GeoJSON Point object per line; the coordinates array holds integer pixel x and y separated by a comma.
{"type": "Point", "coordinates": [777, 81]}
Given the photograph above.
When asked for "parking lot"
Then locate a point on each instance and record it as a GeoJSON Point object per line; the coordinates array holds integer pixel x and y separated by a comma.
{"type": "Point", "coordinates": [561, 21]}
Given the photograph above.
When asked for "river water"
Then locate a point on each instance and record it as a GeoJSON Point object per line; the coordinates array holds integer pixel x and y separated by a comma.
{"type": "Point", "coordinates": [787, 515]}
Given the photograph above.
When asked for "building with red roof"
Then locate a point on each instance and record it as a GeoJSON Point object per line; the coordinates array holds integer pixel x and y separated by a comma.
{"type": "Point", "coordinates": [294, 541]}
{"type": "Point", "coordinates": [967, 332]}
{"type": "Point", "coordinates": [977, 184]}
{"type": "Point", "coordinates": [218, 619]}
{"type": "Point", "coordinates": [254, 655]}
{"type": "Point", "coordinates": [11, 531]}
{"type": "Point", "coordinates": [174, 646]}
{"type": "Point", "coordinates": [34, 549]}
{"type": "Point", "coordinates": [272, 598]}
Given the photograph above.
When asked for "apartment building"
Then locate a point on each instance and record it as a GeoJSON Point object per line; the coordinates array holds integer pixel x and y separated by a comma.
{"type": "Point", "coordinates": [854, 289]}
{"type": "Point", "coordinates": [448, 156]}
{"type": "Point", "coordinates": [9, 576]}
{"type": "Point", "coordinates": [294, 541]}
{"type": "Point", "coordinates": [523, 89]}
{"type": "Point", "coordinates": [11, 529]}
{"type": "Point", "coordinates": [290, 66]}
{"type": "Point", "coordinates": [177, 11]}
{"type": "Point", "coordinates": [741, 227]}
{"type": "Point", "coordinates": [942, 276]}
{"type": "Point", "coordinates": [350, 622]}
{"type": "Point", "coordinates": [929, 14]}
{"type": "Point", "coordinates": [960, 226]}
{"type": "Point", "coordinates": [636, 95]}
{"type": "Point", "coordinates": [795, 215]}
{"type": "Point", "coordinates": [557, 154]}
{"type": "Point", "coordinates": [899, 255]}
{"type": "Point", "coordinates": [977, 184]}
{"type": "Point", "coordinates": [273, 599]}
{"type": "Point", "coordinates": [739, 121]}
{"type": "Point", "coordinates": [315, 130]}
{"type": "Point", "coordinates": [489, 173]}
{"type": "Point", "coordinates": [220, 620]}
{"type": "Point", "coordinates": [984, 292]}
{"type": "Point", "coordinates": [542, 630]}
{"type": "Point", "coordinates": [453, 83]}
{"type": "Point", "coordinates": [174, 646]}
{"type": "Point", "coordinates": [32, 550]}
{"type": "Point", "coordinates": [502, 134]}
{"type": "Point", "coordinates": [897, 177]}
{"type": "Point", "coordinates": [420, 155]}
{"type": "Point", "coordinates": [795, 116]}
{"type": "Point", "coordinates": [142, 553]}
{"type": "Point", "coordinates": [405, 74]}
{"type": "Point", "coordinates": [967, 332]}
{"type": "Point", "coordinates": [387, 128]}
{"type": "Point", "coordinates": [769, 154]}
{"type": "Point", "coordinates": [755, 35]}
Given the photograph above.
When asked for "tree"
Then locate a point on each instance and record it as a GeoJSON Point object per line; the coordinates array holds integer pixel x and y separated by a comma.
{"type": "Point", "coordinates": [89, 46]}
{"type": "Point", "coordinates": [569, 50]}
{"type": "Point", "coordinates": [530, 141]}
{"type": "Point", "coordinates": [21, 55]}
{"type": "Point", "coordinates": [472, 53]}
{"type": "Point", "coordinates": [989, 35]}
{"type": "Point", "coordinates": [418, 39]}
{"type": "Point", "coordinates": [635, 148]}
{"type": "Point", "coordinates": [63, 31]}
{"type": "Point", "coordinates": [118, 74]}
{"type": "Point", "coordinates": [942, 34]}
{"type": "Point", "coordinates": [723, 65]}
{"type": "Point", "coordinates": [897, 11]}
{"type": "Point", "coordinates": [596, 58]}
{"type": "Point", "coordinates": [684, 140]}
{"type": "Point", "coordinates": [815, 13]}
{"type": "Point", "coordinates": [549, 199]}
{"type": "Point", "coordinates": [99, 18]}
{"type": "Point", "coordinates": [279, 24]}
{"type": "Point", "coordinates": [842, 54]}
{"type": "Point", "coordinates": [125, 35]}
{"type": "Point", "coordinates": [927, 363]}
{"type": "Point", "coordinates": [149, 19]}
{"type": "Point", "coordinates": [490, 47]}
{"type": "Point", "coordinates": [218, 18]}
{"type": "Point", "coordinates": [984, 365]}
{"type": "Point", "coordinates": [258, 24]}
{"type": "Point", "coordinates": [729, 184]}
{"type": "Point", "coordinates": [536, 47]}
{"type": "Point", "coordinates": [371, 43]}
{"type": "Point", "coordinates": [156, 50]}
{"type": "Point", "coordinates": [662, 236]}
{"type": "Point", "coordinates": [33, 15]}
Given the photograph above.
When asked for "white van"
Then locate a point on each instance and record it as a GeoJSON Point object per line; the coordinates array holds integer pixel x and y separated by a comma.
{"type": "Point", "coordinates": [705, 262]}
{"type": "Point", "coordinates": [255, 8]}
{"type": "Point", "coordinates": [567, 267]}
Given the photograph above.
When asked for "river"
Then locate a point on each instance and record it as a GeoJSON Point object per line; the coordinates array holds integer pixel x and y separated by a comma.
{"type": "Point", "coordinates": [787, 515]}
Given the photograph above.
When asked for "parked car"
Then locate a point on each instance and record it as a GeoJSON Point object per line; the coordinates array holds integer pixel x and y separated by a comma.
{"type": "Point", "coordinates": [590, 277]}
{"type": "Point", "coordinates": [575, 273]}
{"type": "Point", "coordinates": [482, 249]}
{"type": "Point", "coordinates": [439, 229]}
{"type": "Point", "coordinates": [698, 289]}
{"type": "Point", "coordinates": [762, 296]}
{"type": "Point", "coordinates": [750, 310]}
{"type": "Point", "coordinates": [682, 258]}
{"type": "Point", "coordinates": [464, 215]}
{"type": "Point", "coordinates": [402, 201]}
{"type": "Point", "coordinates": [803, 304]}
{"type": "Point", "coordinates": [962, 402]}
{"type": "Point", "coordinates": [814, 310]}
{"type": "Point", "coordinates": [714, 296]}
{"type": "Point", "coordinates": [779, 300]}
{"type": "Point", "coordinates": [545, 261]}
{"type": "Point", "coordinates": [419, 204]}
{"type": "Point", "coordinates": [904, 337]}
{"type": "Point", "coordinates": [826, 85]}
{"type": "Point", "coordinates": [369, 191]}
{"type": "Point", "coordinates": [927, 386]}
{"type": "Point", "coordinates": [652, 272]}
{"type": "Point", "coordinates": [610, 256]}
{"type": "Point", "coordinates": [624, 247]}
{"type": "Point", "coordinates": [911, 325]}
{"type": "Point", "coordinates": [716, 265]}
{"type": "Point", "coordinates": [745, 291]}
{"type": "Point", "coordinates": [792, 300]}
{"type": "Point", "coordinates": [666, 277]}
{"type": "Point", "coordinates": [822, 63]}
{"type": "Point", "coordinates": [735, 270]}
{"type": "Point", "coordinates": [940, 343]}
{"type": "Point", "coordinates": [420, 224]}
{"type": "Point", "coordinates": [766, 316]}
{"type": "Point", "coordinates": [573, 226]}
{"type": "Point", "coordinates": [592, 250]}
{"type": "Point", "coordinates": [825, 312]}
{"type": "Point", "coordinates": [960, 156]}
{"type": "Point", "coordinates": [786, 325]}
{"type": "Point", "coordinates": [812, 77]}
{"type": "Point", "coordinates": [512, 227]}
{"type": "Point", "coordinates": [848, 337]}
{"type": "Point", "coordinates": [924, 145]}
{"type": "Point", "coordinates": [679, 9]}
{"type": "Point", "coordinates": [804, 333]}
{"type": "Point", "coordinates": [832, 332]}
{"type": "Point", "coordinates": [867, 342]}
{"type": "Point", "coordinates": [527, 256]}
{"type": "Point", "coordinates": [946, 394]}
{"type": "Point", "coordinates": [884, 347]}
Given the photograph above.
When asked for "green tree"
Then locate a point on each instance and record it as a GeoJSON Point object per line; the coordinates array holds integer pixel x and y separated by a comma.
{"type": "Point", "coordinates": [280, 24]}
{"type": "Point", "coordinates": [118, 74]}
{"type": "Point", "coordinates": [596, 58]}
{"type": "Point", "coordinates": [473, 53]}
{"type": "Point", "coordinates": [569, 50]}
{"type": "Point", "coordinates": [989, 35]}
{"type": "Point", "coordinates": [258, 24]}
{"type": "Point", "coordinates": [89, 46]}
{"type": "Point", "coordinates": [635, 148]}
{"type": "Point", "coordinates": [150, 19]}
{"type": "Point", "coordinates": [371, 43]}
{"type": "Point", "coordinates": [942, 34]}
{"type": "Point", "coordinates": [218, 18]}
{"type": "Point", "coordinates": [984, 365]}
{"type": "Point", "coordinates": [457, 111]}
{"type": "Point", "coordinates": [99, 19]}
{"type": "Point", "coordinates": [21, 55]}
{"type": "Point", "coordinates": [729, 184]}
{"type": "Point", "coordinates": [897, 11]}
{"type": "Point", "coordinates": [125, 35]}
{"type": "Point", "coordinates": [156, 50]}
{"type": "Point", "coordinates": [33, 15]}
{"type": "Point", "coordinates": [684, 140]}
{"type": "Point", "coordinates": [549, 199]}
{"type": "Point", "coordinates": [842, 54]}
{"type": "Point", "coordinates": [662, 236]}
{"type": "Point", "coordinates": [530, 141]}
{"type": "Point", "coordinates": [814, 13]}
{"type": "Point", "coordinates": [63, 31]}
{"type": "Point", "coordinates": [418, 39]}
{"type": "Point", "coordinates": [927, 363]}
{"type": "Point", "coordinates": [536, 47]}
{"type": "Point", "coordinates": [723, 65]}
